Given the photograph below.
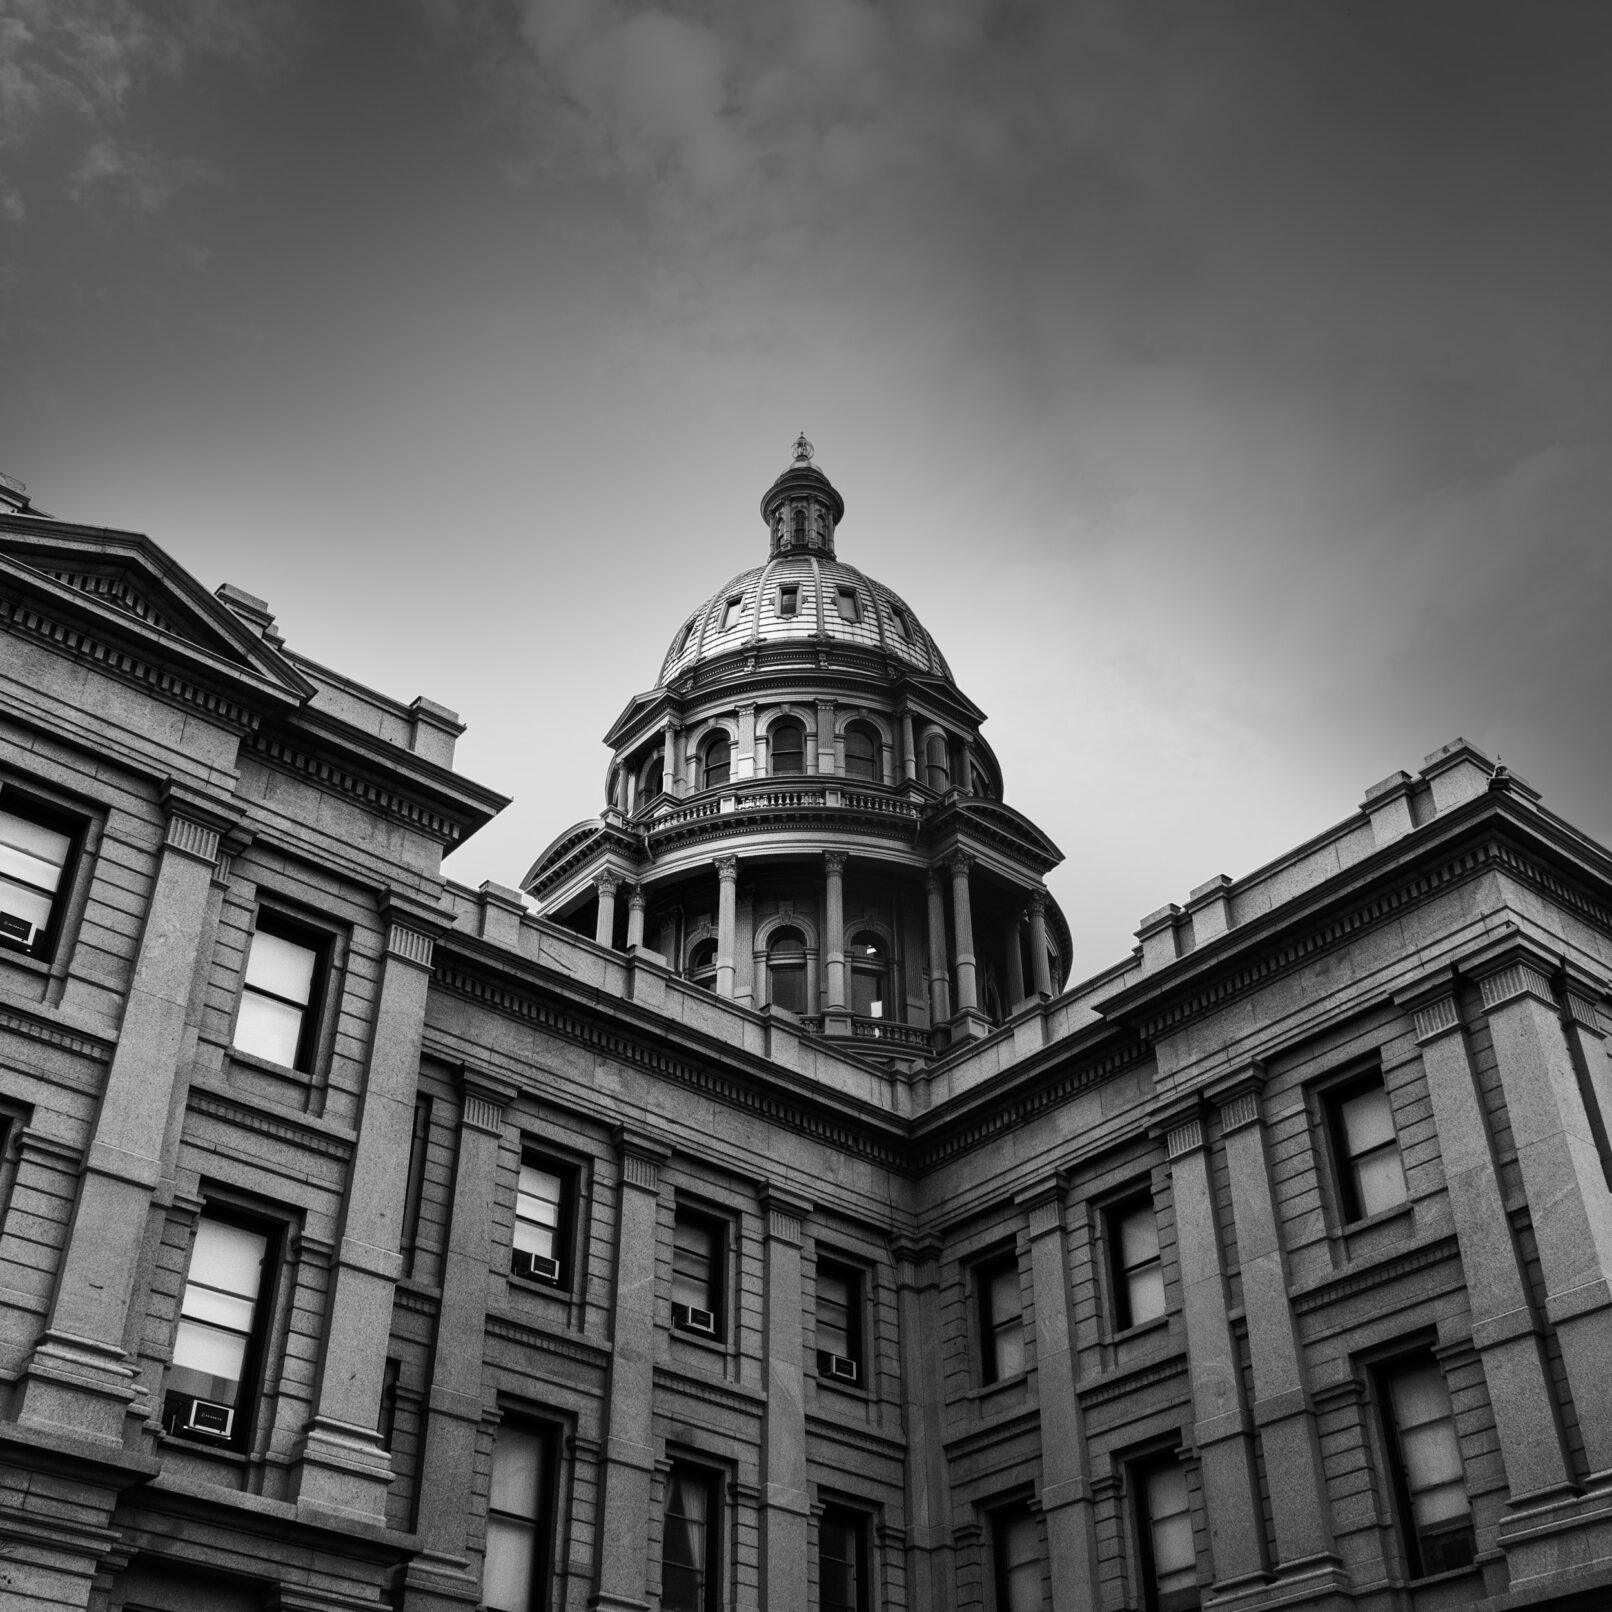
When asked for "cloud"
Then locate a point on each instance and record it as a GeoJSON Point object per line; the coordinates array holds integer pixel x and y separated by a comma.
{"type": "Point", "coordinates": [81, 64]}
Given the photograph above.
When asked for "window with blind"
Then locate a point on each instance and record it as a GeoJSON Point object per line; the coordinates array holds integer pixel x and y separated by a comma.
{"type": "Point", "coordinates": [39, 849]}
{"type": "Point", "coordinates": [691, 1577]}
{"type": "Point", "coordinates": [1136, 1268]}
{"type": "Point", "coordinates": [545, 1201]}
{"type": "Point", "coordinates": [698, 1259]}
{"type": "Point", "coordinates": [1164, 1529]}
{"type": "Point", "coordinates": [1001, 1315]}
{"type": "Point", "coordinates": [1428, 1479]}
{"type": "Point", "coordinates": [520, 1518]}
{"type": "Point", "coordinates": [286, 964]}
{"type": "Point", "coordinates": [839, 1323]}
{"type": "Point", "coordinates": [1367, 1166]}
{"type": "Point", "coordinates": [1019, 1572]}
{"type": "Point", "coordinates": [843, 1578]}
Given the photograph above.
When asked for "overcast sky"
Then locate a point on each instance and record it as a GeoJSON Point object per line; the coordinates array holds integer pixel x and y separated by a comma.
{"type": "Point", "coordinates": [1225, 385]}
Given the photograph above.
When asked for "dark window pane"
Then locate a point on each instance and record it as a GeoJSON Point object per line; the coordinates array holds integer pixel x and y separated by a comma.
{"type": "Point", "coordinates": [787, 745]}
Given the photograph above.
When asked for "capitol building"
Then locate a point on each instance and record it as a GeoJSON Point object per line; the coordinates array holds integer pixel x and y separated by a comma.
{"type": "Point", "coordinates": [744, 1210]}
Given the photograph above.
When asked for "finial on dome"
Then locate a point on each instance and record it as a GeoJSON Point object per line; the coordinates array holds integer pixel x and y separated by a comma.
{"type": "Point", "coordinates": [801, 508]}
{"type": "Point", "coordinates": [803, 450]}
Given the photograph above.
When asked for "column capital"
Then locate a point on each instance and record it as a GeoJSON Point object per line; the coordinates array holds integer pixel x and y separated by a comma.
{"type": "Point", "coordinates": [1583, 998]}
{"type": "Point", "coordinates": [1181, 1125]}
{"type": "Point", "coordinates": [1523, 973]}
{"type": "Point", "coordinates": [1036, 901]}
{"type": "Point", "coordinates": [959, 861]}
{"type": "Point", "coordinates": [483, 1097]}
{"type": "Point", "coordinates": [1433, 1003]}
{"type": "Point", "coordinates": [196, 822]}
{"type": "Point", "coordinates": [1043, 1204]}
{"type": "Point", "coordinates": [917, 1261]}
{"type": "Point", "coordinates": [637, 899]}
{"type": "Point", "coordinates": [641, 1158]}
{"type": "Point", "coordinates": [786, 1216]}
{"type": "Point", "coordinates": [1238, 1097]}
{"type": "Point", "coordinates": [727, 868]}
{"type": "Point", "coordinates": [413, 926]}
{"type": "Point", "coordinates": [608, 881]}
{"type": "Point", "coordinates": [834, 862]}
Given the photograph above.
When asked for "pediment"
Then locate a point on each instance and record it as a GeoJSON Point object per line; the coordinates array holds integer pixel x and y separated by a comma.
{"type": "Point", "coordinates": [134, 588]}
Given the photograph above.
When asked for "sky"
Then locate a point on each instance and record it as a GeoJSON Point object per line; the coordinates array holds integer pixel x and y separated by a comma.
{"type": "Point", "coordinates": [1225, 385]}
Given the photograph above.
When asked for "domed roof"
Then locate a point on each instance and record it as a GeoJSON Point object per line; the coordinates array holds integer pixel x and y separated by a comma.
{"type": "Point", "coordinates": [832, 602]}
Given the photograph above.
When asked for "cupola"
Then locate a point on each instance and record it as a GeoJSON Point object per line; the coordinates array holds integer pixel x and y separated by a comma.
{"type": "Point", "coordinates": [802, 507]}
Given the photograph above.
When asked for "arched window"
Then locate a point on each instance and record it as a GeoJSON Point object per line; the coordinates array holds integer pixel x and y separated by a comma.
{"type": "Point", "coordinates": [870, 975]}
{"type": "Point", "coordinates": [786, 970]}
{"type": "Point", "coordinates": [937, 763]}
{"type": "Point", "coordinates": [798, 525]}
{"type": "Point", "coordinates": [715, 760]}
{"type": "Point", "coordinates": [651, 780]}
{"type": "Point", "coordinates": [702, 965]}
{"type": "Point", "coordinates": [861, 752]}
{"type": "Point", "coordinates": [786, 747]}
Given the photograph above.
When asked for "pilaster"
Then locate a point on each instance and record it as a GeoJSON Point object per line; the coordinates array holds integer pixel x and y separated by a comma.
{"type": "Point", "coordinates": [930, 1582]}
{"type": "Point", "coordinates": [785, 1490]}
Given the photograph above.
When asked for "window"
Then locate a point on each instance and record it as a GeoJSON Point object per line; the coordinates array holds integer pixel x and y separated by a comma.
{"type": "Point", "coordinates": [1430, 1497]}
{"type": "Point", "coordinates": [285, 968]}
{"type": "Point", "coordinates": [698, 1257]}
{"type": "Point", "coordinates": [1365, 1149]}
{"type": "Point", "coordinates": [38, 846]}
{"type": "Point", "coordinates": [1001, 1318]}
{"type": "Point", "coordinates": [789, 600]}
{"type": "Point", "coordinates": [691, 1580]}
{"type": "Point", "coordinates": [902, 625]}
{"type": "Point", "coordinates": [937, 762]}
{"type": "Point", "coordinates": [218, 1349]}
{"type": "Point", "coordinates": [845, 601]}
{"type": "Point", "coordinates": [1017, 1559]}
{"type": "Point", "coordinates": [651, 781]}
{"type": "Point", "coordinates": [1136, 1268]}
{"type": "Point", "coordinates": [544, 1199]}
{"type": "Point", "coordinates": [414, 1191]}
{"type": "Point", "coordinates": [702, 964]}
{"type": "Point", "coordinates": [862, 752]}
{"type": "Point", "coordinates": [870, 974]}
{"type": "Point", "coordinates": [839, 1323]}
{"type": "Point", "coordinates": [514, 1574]}
{"type": "Point", "coordinates": [842, 1561]}
{"type": "Point", "coordinates": [684, 636]}
{"type": "Point", "coordinates": [786, 970]}
{"type": "Point", "coordinates": [714, 762]}
{"type": "Point", "coordinates": [786, 747]}
{"type": "Point", "coordinates": [730, 612]}
{"type": "Point", "coordinates": [797, 524]}
{"type": "Point", "coordinates": [1164, 1529]}
{"type": "Point", "coordinates": [386, 1422]}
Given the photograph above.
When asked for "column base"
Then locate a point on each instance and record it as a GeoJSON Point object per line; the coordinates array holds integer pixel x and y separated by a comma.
{"type": "Point", "coordinates": [78, 1385]}
{"type": "Point", "coordinates": [969, 1024]}
{"type": "Point", "coordinates": [436, 1582]}
{"type": "Point", "coordinates": [342, 1469]}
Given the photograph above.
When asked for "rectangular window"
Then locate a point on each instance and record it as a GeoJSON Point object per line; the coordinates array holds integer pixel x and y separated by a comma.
{"type": "Point", "coordinates": [730, 612]}
{"type": "Point", "coordinates": [691, 1579]}
{"type": "Point", "coordinates": [842, 1561]}
{"type": "Point", "coordinates": [520, 1510]}
{"type": "Point", "coordinates": [38, 849]}
{"type": "Point", "coordinates": [697, 1274]}
{"type": "Point", "coordinates": [1365, 1149]}
{"type": "Point", "coordinates": [386, 1423]}
{"type": "Point", "coordinates": [1429, 1483]}
{"type": "Point", "coordinates": [1016, 1550]}
{"type": "Point", "coordinates": [414, 1191]}
{"type": "Point", "coordinates": [1164, 1526]}
{"type": "Point", "coordinates": [1136, 1269]}
{"type": "Point", "coordinates": [1001, 1319]}
{"type": "Point", "coordinates": [839, 1322]}
{"type": "Point", "coordinates": [845, 601]}
{"type": "Point", "coordinates": [545, 1199]}
{"type": "Point", "coordinates": [218, 1349]}
{"type": "Point", "coordinates": [285, 969]}
{"type": "Point", "coordinates": [789, 600]}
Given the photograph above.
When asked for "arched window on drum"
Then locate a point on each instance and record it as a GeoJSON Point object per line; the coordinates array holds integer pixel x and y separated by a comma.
{"type": "Point", "coordinates": [786, 970]}
{"type": "Point", "coordinates": [701, 968]}
{"type": "Point", "coordinates": [869, 959]}
{"type": "Point", "coordinates": [862, 752]}
{"type": "Point", "coordinates": [786, 748]}
{"type": "Point", "coordinates": [715, 761]}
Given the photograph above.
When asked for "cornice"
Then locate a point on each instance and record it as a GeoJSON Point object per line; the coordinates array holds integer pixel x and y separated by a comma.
{"type": "Point", "coordinates": [308, 1135]}
{"type": "Point", "coordinates": [42, 1027]}
{"type": "Point", "coordinates": [531, 1336]}
{"type": "Point", "coordinates": [1388, 1268]}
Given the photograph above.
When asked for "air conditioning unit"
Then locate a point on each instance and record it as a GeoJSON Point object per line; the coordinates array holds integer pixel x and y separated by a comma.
{"type": "Point", "coordinates": [693, 1320]}
{"type": "Point", "coordinates": [18, 929]}
{"type": "Point", "coordinates": [204, 1416]}
{"type": "Point", "coordinates": [839, 1366]}
{"type": "Point", "coordinates": [537, 1266]}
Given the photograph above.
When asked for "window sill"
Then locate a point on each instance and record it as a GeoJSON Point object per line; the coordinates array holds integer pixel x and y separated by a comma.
{"type": "Point", "coordinates": [529, 1284]}
{"type": "Point", "coordinates": [838, 1385]}
{"type": "Point", "coordinates": [1140, 1330]}
{"type": "Point", "coordinates": [267, 1066]}
{"type": "Point", "coordinates": [699, 1340]}
{"type": "Point", "coordinates": [26, 961]}
{"type": "Point", "coordinates": [1375, 1234]}
{"type": "Point", "coordinates": [1002, 1387]}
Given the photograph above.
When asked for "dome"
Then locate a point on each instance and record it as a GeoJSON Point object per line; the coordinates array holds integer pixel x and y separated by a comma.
{"type": "Point", "coordinates": [809, 599]}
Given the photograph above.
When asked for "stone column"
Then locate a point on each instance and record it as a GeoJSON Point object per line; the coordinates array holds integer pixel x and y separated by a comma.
{"type": "Point", "coordinates": [1504, 1330]}
{"type": "Point", "coordinates": [825, 737]}
{"type": "Point", "coordinates": [909, 753]}
{"type": "Point", "coordinates": [1221, 1430]}
{"type": "Point", "coordinates": [785, 1486]}
{"type": "Point", "coordinates": [834, 928]}
{"type": "Point", "coordinates": [441, 1575]}
{"type": "Point", "coordinates": [1283, 1411]}
{"type": "Point", "coordinates": [629, 1456]}
{"type": "Point", "coordinates": [1040, 969]}
{"type": "Point", "coordinates": [929, 1548]}
{"type": "Point", "coordinates": [1013, 959]}
{"type": "Point", "coordinates": [340, 1465]}
{"type": "Point", "coordinates": [727, 901]}
{"type": "Point", "coordinates": [671, 766]}
{"type": "Point", "coordinates": [79, 1378]}
{"type": "Point", "coordinates": [1066, 1501]}
{"type": "Point", "coordinates": [1562, 1177]}
{"type": "Point", "coordinates": [635, 917]}
{"type": "Point", "coordinates": [604, 928]}
{"type": "Point", "coordinates": [744, 752]}
{"type": "Point", "coordinates": [940, 990]}
{"type": "Point", "coordinates": [959, 862]}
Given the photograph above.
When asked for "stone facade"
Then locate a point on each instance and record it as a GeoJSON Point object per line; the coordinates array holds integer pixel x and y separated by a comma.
{"type": "Point", "coordinates": [372, 1241]}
